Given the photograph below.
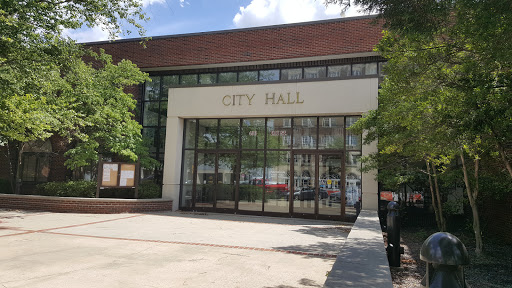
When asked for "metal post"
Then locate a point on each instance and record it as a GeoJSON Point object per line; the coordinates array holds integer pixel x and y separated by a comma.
{"type": "Point", "coordinates": [393, 231]}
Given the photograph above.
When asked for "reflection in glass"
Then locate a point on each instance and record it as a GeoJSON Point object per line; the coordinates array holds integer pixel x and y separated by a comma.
{"type": "Point", "coordinates": [187, 179]}
{"type": "Point", "coordinates": [251, 179]}
{"type": "Point", "coordinates": [331, 133]}
{"type": "Point", "coordinates": [291, 74]}
{"type": "Point", "coordinates": [304, 181]}
{"type": "Point", "coordinates": [248, 76]}
{"type": "Point", "coordinates": [169, 81]}
{"type": "Point", "coordinates": [227, 77]}
{"type": "Point", "coordinates": [304, 133]}
{"type": "Point", "coordinates": [151, 112]}
{"type": "Point", "coordinates": [371, 68]}
{"type": "Point", "coordinates": [358, 69]}
{"type": "Point", "coordinates": [353, 139]}
{"type": "Point", "coordinates": [207, 138]}
{"type": "Point", "coordinates": [277, 182]}
{"type": "Point", "coordinates": [162, 140]}
{"type": "Point", "coordinates": [253, 133]}
{"type": "Point", "coordinates": [338, 71]}
{"type": "Point", "coordinates": [163, 113]}
{"type": "Point", "coordinates": [269, 75]}
{"type": "Point", "coordinates": [229, 133]}
{"type": "Point", "coordinates": [329, 181]}
{"type": "Point", "coordinates": [208, 78]}
{"type": "Point", "coordinates": [190, 133]}
{"type": "Point", "coordinates": [314, 72]}
{"type": "Point", "coordinates": [189, 80]}
{"type": "Point", "coordinates": [353, 180]}
{"type": "Point", "coordinates": [150, 136]}
{"type": "Point", "coordinates": [279, 133]}
{"type": "Point", "coordinates": [226, 181]}
{"type": "Point", "coordinates": [206, 179]}
{"type": "Point", "coordinates": [152, 88]}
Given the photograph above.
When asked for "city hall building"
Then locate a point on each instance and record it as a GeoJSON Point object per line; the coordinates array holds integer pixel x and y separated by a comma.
{"type": "Point", "coordinates": [255, 121]}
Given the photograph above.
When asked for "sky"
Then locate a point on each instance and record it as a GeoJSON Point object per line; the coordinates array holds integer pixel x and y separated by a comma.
{"type": "Point", "coordinates": [171, 17]}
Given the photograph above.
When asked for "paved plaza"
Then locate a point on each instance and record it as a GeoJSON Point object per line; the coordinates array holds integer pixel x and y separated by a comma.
{"type": "Point", "coordinates": [173, 249]}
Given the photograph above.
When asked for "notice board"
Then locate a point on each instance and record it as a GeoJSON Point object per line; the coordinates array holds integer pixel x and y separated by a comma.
{"type": "Point", "coordinates": [109, 174]}
{"type": "Point", "coordinates": [117, 175]}
{"type": "Point", "coordinates": [127, 176]}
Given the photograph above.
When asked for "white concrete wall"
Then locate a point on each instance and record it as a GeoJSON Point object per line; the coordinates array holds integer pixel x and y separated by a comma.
{"type": "Point", "coordinates": [317, 98]}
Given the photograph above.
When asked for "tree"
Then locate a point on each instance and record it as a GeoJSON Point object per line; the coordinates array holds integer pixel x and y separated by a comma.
{"type": "Point", "coordinates": [447, 93]}
{"type": "Point", "coordinates": [44, 81]}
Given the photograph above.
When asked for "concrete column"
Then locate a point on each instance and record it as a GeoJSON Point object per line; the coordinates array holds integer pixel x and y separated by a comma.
{"type": "Point", "coordinates": [369, 184]}
{"type": "Point", "coordinates": [172, 162]}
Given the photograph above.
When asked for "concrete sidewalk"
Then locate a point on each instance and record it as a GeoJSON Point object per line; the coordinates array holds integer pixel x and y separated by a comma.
{"type": "Point", "coordinates": [165, 250]}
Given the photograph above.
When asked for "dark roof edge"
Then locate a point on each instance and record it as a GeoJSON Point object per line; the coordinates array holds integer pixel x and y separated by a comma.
{"type": "Point", "coordinates": [344, 19]}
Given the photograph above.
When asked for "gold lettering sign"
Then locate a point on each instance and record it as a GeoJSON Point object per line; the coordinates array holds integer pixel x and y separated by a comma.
{"type": "Point", "coordinates": [270, 98]}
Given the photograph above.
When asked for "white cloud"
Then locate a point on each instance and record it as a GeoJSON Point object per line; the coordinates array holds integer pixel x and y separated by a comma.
{"type": "Point", "coordinates": [271, 12]}
{"type": "Point", "coordinates": [87, 34]}
{"type": "Point", "coordinates": [151, 2]}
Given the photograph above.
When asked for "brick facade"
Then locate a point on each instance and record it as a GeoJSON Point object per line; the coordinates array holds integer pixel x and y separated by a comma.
{"type": "Point", "coordinates": [83, 205]}
{"type": "Point", "coordinates": [322, 38]}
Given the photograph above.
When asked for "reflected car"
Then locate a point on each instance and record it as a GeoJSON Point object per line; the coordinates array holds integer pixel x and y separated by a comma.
{"type": "Point", "coordinates": [309, 194]}
{"type": "Point", "coordinates": [335, 197]}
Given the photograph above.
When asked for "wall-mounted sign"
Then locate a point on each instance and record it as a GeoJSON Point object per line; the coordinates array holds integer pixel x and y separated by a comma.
{"type": "Point", "coordinates": [269, 98]}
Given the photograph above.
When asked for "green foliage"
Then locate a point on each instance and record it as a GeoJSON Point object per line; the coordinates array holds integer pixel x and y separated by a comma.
{"type": "Point", "coordinates": [84, 189]}
{"type": "Point", "coordinates": [149, 190]}
{"type": "Point", "coordinates": [46, 88]}
{"type": "Point", "coordinates": [5, 186]}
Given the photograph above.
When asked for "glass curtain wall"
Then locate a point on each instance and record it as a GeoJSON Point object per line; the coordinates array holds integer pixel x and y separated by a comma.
{"type": "Point", "coordinates": [154, 117]}
{"type": "Point", "coordinates": [298, 165]}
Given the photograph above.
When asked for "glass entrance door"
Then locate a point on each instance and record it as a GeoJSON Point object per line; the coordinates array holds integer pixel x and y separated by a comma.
{"type": "Point", "coordinates": [217, 180]}
{"type": "Point", "coordinates": [227, 182]}
{"type": "Point", "coordinates": [332, 192]}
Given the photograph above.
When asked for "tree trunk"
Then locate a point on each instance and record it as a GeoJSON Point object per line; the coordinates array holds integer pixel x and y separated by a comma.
{"type": "Point", "coordinates": [504, 158]}
{"type": "Point", "coordinates": [12, 171]}
{"type": "Point", "coordinates": [18, 177]}
{"type": "Point", "coordinates": [436, 213]}
{"type": "Point", "coordinates": [472, 196]}
{"type": "Point", "coordinates": [438, 196]}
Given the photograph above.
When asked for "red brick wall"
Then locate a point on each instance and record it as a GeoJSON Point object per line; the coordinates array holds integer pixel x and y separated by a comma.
{"type": "Point", "coordinates": [324, 38]}
{"type": "Point", "coordinates": [83, 205]}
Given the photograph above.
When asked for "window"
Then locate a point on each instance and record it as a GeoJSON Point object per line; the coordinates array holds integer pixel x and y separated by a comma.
{"type": "Point", "coordinates": [227, 77]}
{"type": "Point", "coordinates": [382, 66]}
{"type": "Point", "coordinates": [188, 80]}
{"type": "Point", "coordinates": [168, 81]}
{"type": "Point", "coordinates": [248, 76]}
{"type": "Point", "coordinates": [287, 122]}
{"type": "Point", "coordinates": [358, 69]}
{"type": "Point", "coordinates": [314, 72]}
{"type": "Point", "coordinates": [371, 68]}
{"type": "Point", "coordinates": [209, 78]}
{"type": "Point", "coordinates": [339, 71]}
{"type": "Point", "coordinates": [152, 89]}
{"type": "Point", "coordinates": [287, 140]}
{"type": "Point", "coordinates": [269, 75]}
{"type": "Point", "coordinates": [291, 74]}
{"type": "Point", "coordinates": [308, 141]}
{"type": "Point", "coordinates": [327, 140]}
{"type": "Point", "coordinates": [328, 122]}
{"type": "Point", "coordinates": [307, 122]}
{"type": "Point", "coordinates": [36, 167]}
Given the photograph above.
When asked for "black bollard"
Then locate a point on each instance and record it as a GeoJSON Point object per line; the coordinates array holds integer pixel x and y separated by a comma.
{"type": "Point", "coordinates": [445, 254]}
{"type": "Point", "coordinates": [393, 230]}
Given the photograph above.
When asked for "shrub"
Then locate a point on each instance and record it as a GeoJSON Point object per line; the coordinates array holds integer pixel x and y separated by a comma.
{"type": "Point", "coordinates": [5, 186]}
{"type": "Point", "coordinates": [149, 190]}
{"type": "Point", "coordinates": [86, 189]}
